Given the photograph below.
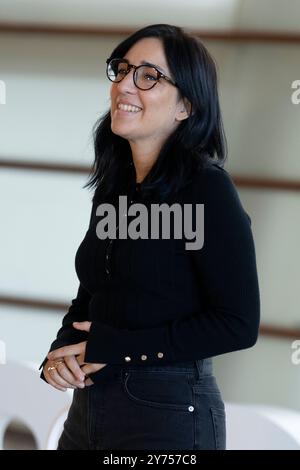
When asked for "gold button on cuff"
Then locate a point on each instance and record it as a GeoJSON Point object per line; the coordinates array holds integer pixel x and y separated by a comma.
{"type": "Point", "coordinates": [127, 358]}
{"type": "Point", "coordinates": [143, 357]}
{"type": "Point", "coordinates": [160, 355]}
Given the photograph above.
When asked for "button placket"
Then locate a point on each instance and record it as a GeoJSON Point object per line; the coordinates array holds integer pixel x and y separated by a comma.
{"type": "Point", "coordinates": [108, 267]}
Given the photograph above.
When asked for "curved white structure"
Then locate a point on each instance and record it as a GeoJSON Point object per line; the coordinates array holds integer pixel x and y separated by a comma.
{"type": "Point", "coordinates": [56, 430]}
{"type": "Point", "coordinates": [257, 427]}
{"type": "Point", "coordinates": [27, 398]}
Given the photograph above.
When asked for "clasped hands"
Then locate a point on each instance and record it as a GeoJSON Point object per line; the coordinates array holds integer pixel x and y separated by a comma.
{"type": "Point", "coordinates": [66, 368]}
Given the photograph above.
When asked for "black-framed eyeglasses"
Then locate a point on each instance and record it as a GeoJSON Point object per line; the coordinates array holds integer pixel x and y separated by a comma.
{"type": "Point", "coordinates": [145, 77]}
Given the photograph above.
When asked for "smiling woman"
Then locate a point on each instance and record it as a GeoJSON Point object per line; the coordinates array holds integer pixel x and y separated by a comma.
{"type": "Point", "coordinates": [150, 313]}
{"type": "Point", "coordinates": [161, 109]}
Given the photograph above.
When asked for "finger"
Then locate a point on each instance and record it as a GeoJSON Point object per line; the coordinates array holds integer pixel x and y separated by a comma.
{"type": "Point", "coordinates": [91, 368]}
{"type": "Point", "coordinates": [80, 360]}
{"type": "Point", "coordinates": [51, 376]}
{"type": "Point", "coordinates": [55, 376]}
{"type": "Point", "coordinates": [52, 383]}
{"type": "Point", "coordinates": [74, 367]}
{"type": "Point", "coordinates": [82, 325]}
{"type": "Point", "coordinates": [63, 370]}
{"type": "Point", "coordinates": [71, 350]}
{"type": "Point", "coordinates": [88, 382]}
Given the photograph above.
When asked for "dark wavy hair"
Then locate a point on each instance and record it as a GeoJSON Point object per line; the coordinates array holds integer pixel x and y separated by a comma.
{"type": "Point", "coordinates": [197, 140]}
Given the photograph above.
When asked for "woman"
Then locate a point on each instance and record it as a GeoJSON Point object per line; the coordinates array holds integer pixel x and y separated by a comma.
{"type": "Point", "coordinates": [150, 313]}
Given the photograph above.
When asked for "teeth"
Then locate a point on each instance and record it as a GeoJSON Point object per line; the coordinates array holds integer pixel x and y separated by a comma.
{"type": "Point", "coordinates": [128, 107]}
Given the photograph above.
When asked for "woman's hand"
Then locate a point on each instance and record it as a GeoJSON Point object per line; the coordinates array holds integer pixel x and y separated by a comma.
{"type": "Point", "coordinates": [69, 353]}
{"type": "Point", "coordinates": [64, 373]}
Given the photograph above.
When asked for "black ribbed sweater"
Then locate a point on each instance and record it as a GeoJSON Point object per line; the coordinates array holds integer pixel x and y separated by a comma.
{"type": "Point", "coordinates": [154, 302]}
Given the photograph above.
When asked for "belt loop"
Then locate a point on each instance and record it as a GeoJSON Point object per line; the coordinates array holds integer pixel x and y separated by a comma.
{"type": "Point", "coordinates": [199, 365]}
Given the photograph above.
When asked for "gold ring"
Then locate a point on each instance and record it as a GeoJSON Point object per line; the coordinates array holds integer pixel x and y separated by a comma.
{"type": "Point", "coordinates": [59, 361]}
{"type": "Point", "coordinates": [50, 368]}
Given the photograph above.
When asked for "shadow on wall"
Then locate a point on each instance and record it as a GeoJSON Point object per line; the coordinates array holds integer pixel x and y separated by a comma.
{"type": "Point", "coordinates": [18, 436]}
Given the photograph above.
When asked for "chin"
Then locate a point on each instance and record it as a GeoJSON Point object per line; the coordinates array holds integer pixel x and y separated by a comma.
{"type": "Point", "coordinates": [122, 132]}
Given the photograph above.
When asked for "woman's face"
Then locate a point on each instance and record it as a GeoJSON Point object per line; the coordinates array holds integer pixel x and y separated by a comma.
{"type": "Point", "coordinates": [162, 110]}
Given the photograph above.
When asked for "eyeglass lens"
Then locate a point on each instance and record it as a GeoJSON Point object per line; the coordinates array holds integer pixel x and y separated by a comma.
{"type": "Point", "coordinates": [145, 76]}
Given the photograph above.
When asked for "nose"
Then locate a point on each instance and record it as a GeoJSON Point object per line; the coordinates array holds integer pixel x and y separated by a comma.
{"type": "Point", "coordinates": [127, 84]}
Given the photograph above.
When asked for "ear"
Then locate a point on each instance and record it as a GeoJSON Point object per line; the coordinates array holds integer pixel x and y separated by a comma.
{"type": "Point", "coordinates": [184, 109]}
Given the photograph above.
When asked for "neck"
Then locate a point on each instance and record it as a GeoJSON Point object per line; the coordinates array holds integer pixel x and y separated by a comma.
{"type": "Point", "coordinates": [143, 161]}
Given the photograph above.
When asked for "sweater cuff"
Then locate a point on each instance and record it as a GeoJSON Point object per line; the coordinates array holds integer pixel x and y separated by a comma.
{"type": "Point", "coordinates": [109, 345]}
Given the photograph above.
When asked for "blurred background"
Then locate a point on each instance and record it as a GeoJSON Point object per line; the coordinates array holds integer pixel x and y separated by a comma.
{"type": "Point", "coordinates": [53, 88]}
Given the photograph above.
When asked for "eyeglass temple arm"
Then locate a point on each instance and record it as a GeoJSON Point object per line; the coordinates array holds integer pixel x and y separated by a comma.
{"type": "Point", "coordinates": [167, 78]}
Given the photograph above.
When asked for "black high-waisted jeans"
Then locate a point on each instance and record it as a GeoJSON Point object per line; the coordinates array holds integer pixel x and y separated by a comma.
{"type": "Point", "coordinates": [169, 407]}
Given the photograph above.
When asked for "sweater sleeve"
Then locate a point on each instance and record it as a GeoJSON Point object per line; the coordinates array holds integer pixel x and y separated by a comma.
{"type": "Point", "coordinates": [226, 271]}
{"type": "Point", "coordinates": [78, 311]}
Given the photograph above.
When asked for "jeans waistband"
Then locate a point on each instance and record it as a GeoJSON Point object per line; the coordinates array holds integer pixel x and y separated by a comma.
{"type": "Point", "coordinates": [197, 368]}
{"type": "Point", "coordinates": [201, 366]}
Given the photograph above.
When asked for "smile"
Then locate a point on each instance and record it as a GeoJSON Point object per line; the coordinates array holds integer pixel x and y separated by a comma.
{"type": "Point", "coordinates": [128, 108]}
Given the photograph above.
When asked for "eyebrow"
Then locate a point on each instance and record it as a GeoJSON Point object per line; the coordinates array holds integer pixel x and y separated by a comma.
{"type": "Point", "coordinates": [144, 62]}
